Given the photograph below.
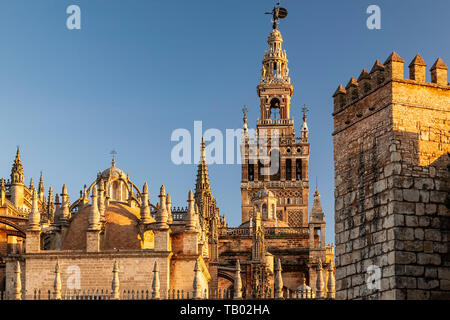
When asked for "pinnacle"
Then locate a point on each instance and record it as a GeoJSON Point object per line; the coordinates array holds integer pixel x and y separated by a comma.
{"type": "Point", "coordinates": [94, 192]}
{"type": "Point", "coordinates": [439, 64]}
{"type": "Point", "coordinates": [352, 83]}
{"type": "Point", "coordinates": [418, 61]}
{"type": "Point", "coordinates": [364, 75]}
{"type": "Point", "coordinates": [394, 57]}
{"type": "Point", "coordinates": [377, 66]}
{"type": "Point", "coordinates": [339, 90]}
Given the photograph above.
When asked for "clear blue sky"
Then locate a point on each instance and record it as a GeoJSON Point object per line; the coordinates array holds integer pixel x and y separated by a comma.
{"type": "Point", "coordinates": [139, 69]}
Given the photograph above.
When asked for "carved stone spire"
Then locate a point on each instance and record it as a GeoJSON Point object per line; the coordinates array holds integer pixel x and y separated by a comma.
{"type": "Point", "coordinates": [41, 189]}
{"type": "Point", "coordinates": [50, 206]}
{"type": "Point", "coordinates": [57, 283]}
{"type": "Point", "coordinates": [34, 218]}
{"type": "Point", "coordinates": [162, 215]}
{"type": "Point", "coordinates": [17, 175]}
{"type": "Point", "coordinates": [169, 209]}
{"type": "Point", "coordinates": [331, 282]}
{"type": "Point", "coordinates": [115, 282]}
{"type": "Point", "coordinates": [190, 214]}
{"type": "Point", "coordinates": [101, 201]}
{"type": "Point", "coordinates": [237, 281]}
{"type": "Point", "coordinates": [196, 285]}
{"type": "Point", "coordinates": [65, 211]}
{"type": "Point", "coordinates": [317, 214]}
{"type": "Point", "coordinates": [155, 282]}
{"type": "Point", "coordinates": [319, 281]}
{"type": "Point", "coordinates": [278, 283]}
{"type": "Point", "coordinates": [94, 213]}
{"type": "Point", "coordinates": [145, 209]}
{"type": "Point", "coordinates": [2, 193]}
{"type": "Point", "coordinates": [202, 184]}
{"type": "Point", "coordinates": [17, 283]}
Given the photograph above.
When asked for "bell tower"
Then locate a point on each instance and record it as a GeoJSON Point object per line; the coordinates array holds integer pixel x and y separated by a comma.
{"type": "Point", "coordinates": [275, 159]}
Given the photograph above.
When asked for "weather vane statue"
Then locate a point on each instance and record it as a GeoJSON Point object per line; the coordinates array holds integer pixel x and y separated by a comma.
{"type": "Point", "coordinates": [277, 14]}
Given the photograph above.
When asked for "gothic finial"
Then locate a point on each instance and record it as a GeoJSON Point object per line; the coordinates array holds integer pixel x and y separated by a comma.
{"type": "Point", "coordinates": [41, 184]}
{"type": "Point", "coordinates": [145, 209]}
{"type": "Point", "coordinates": [244, 111]}
{"type": "Point", "coordinates": [145, 188]}
{"type": "Point", "coordinates": [64, 190]}
{"type": "Point", "coordinates": [115, 282]}
{"type": "Point", "coordinates": [113, 161]}
{"type": "Point", "coordinates": [94, 213]}
{"type": "Point", "coordinates": [34, 218]}
{"type": "Point", "coordinates": [237, 281]}
{"type": "Point", "coordinates": [17, 282]}
{"type": "Point", "coordinates": [155, 282]}
{"type": "Point", "coordinates": [57, 282]}
{"type": "Point", "coordinates": [305, 110]}
{"type": "Point", "coordinates": [196, 284]}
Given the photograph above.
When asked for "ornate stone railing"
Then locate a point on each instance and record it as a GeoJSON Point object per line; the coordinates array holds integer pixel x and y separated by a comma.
{"type": "Point", "coordinates": [267, 231]}
{"type": "Point", "coordinates": [275, 121]}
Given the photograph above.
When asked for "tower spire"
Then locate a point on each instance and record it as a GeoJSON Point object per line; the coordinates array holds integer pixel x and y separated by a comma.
{"type": "Point", "coordinates": [202, 184]}
{"type": "Point", "coordinates": [41, 189]}
{"type": "Point", "coordinates": [17, 175]}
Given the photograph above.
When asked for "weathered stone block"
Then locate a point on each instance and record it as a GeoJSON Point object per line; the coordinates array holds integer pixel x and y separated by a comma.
{"type": "Point", "coordinates": [406, 282]}
{"type": "Point", "coordinates": [444, 273]}
{"type": "Point", "coordinates": [404, 233]}
{"type": "Point", "coordinates": [423, 183]}
{"type": "Point", "coordinates": [411, 221]}
{"type": "Point", "coordinates": [445, 285]}
{"type": "Point", "coordinates": [426, 258]}
{"type": "Point", "coordinates": [438, 196]}
{"type": "Point", "coordinates": [427, 284]}
{"type": "Point", "coordinates": [411, 195]}
{"type": "Point", "coordinates": [417, 295]}
{"type": "Point", "coordinates": [432, 235]}
{"type": "Point", "coordinates": [403, 257]}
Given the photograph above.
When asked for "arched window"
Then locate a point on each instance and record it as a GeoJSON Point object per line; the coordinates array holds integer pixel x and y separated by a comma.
{"type": "Point", "coordinates": [116, 192]}
{"type": "Point", "coordinates": [288, 169]}
{"type": "Point", "coordinates": [251, 172]}
{"type": "Point", "coordinates": [275, 108]}
{"type": "Point", "coordinates": [264, 211]}
{"type": "Point", "coordinates": [298, 169]}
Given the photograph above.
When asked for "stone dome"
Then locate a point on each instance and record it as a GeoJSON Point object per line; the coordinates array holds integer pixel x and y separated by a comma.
{"type": "Point", "coordinates": [113, 172]}
{"type": "Point", "coordinates": [121, 229]}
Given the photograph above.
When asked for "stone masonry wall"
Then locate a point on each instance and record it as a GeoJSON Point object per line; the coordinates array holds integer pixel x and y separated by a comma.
{"type": "Point", "coordinates": [391, 141]}
{"type": "Point", "coordinates": [135, 271]}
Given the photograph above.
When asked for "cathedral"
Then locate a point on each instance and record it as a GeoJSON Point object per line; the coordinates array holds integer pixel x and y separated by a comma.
{"type": "Point", "coordinates": [115, 232]}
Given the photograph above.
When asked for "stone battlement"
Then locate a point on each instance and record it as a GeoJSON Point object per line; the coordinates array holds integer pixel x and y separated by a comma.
{"type": "Point", "coordinates": [383, 73]}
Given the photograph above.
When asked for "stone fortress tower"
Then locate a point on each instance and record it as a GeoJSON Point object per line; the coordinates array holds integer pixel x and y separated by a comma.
{"type": "Point", "coordinates": [391, 143]}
